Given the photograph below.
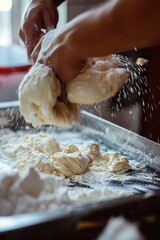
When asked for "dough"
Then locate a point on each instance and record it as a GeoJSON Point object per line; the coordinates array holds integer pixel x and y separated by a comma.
{"type": "Point", "coordinates": [39, 104]}
{"type": "Point", "coordinates": [115, 162]}
{"type": "Point", "coordinates": [44, 152]}
{"type": "Point", "coordinates": [42, 143]}
{"type": "Point", "coordinates": [98, 82]}
{"type": "Point", "coordinates": [141, 61]}
{"type": "Point", "coordinates": [43, 100]}
{"type": "Point", "coordinates": [69, 164]}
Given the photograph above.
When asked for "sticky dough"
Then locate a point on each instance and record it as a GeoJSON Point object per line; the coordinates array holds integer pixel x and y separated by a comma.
{"type": "Point", "coordinates": [100, 81]}
{"type": "Point", "coordinates": [38, 95]}
{"type": "Point", "coordinates": [40, 91]}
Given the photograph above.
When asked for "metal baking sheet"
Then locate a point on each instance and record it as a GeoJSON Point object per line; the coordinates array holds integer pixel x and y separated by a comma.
{"type": "Point", "coordinates": [121, 139]}
{"type": "Point", "coordinates": [110, 136]}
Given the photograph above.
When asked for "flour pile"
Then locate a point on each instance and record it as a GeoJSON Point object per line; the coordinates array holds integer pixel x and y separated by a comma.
{"type": "Point", "coordinates": [120, 229]}
{"type": "Point", "coordinates": [31, 192]}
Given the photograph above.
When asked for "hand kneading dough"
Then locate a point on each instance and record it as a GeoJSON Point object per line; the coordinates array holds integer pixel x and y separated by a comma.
{"type": "Point", "coordinates": [40, 91]}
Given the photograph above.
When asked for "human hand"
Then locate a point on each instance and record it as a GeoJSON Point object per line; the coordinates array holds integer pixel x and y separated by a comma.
{"type": "Point", "coordinates": [39, 17]}
{"type": "Point", "coordinates": [56, 51]}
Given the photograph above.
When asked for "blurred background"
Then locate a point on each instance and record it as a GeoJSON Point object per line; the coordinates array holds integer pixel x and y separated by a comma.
{"type": "Point", "coordinates": [135, 107]}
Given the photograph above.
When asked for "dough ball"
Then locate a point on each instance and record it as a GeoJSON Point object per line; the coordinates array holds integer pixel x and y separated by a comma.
{"type": "Point", "coordinates": [42, 143]}
{"type": "Point", "coordinates": [98, 82]}
{"type": "Point", "coordinates": [37, 160]}
{"type": "Point", "coordinates": [39, 103]}
{"type": "Point", "coordinates": [92, 148]}
{"type": "Point", "coordinates": [70, 148]}
{"type": "Point", "coordinates": [115, 162]}
{"type": "Point", "coordinates": [69, 164]}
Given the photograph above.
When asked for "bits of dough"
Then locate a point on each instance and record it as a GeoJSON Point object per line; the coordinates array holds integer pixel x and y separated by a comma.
{"type": "Point", "coordinates": [69, 164]}
{"type": "Point", "coordinates": [38, 142]}
{"type": "Point", "coordinates": [44, 152]}
{"type": "Point", "coordinates": [141, 61]}
{"type": "Point", "coordinates": [115, 162]}
{"type": "Point", "coordinates": [42, 101]}
{"type": "Point", "coordinates": [92, 148]}
{"type": "Point", "coordinates": [35, 159]}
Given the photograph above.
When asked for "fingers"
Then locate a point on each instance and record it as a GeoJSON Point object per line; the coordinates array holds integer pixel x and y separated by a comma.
{"type": "Point", "coordinates": [39, 17]}
{"type": "Point", "coordinates": [50, 19]}
{"type": "Point", "coordinates": [30, 35]}
{"type": "Point", "coordinates": [54, 50]}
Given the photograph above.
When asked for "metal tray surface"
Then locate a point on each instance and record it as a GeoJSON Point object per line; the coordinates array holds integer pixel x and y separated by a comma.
{"type": "Point", "coordinates": [110, 136]}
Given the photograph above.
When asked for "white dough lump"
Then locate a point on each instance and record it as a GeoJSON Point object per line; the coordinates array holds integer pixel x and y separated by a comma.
{"type": "Point", "coordinates": [98, 82]}
{"type": "Point", "coordinates": [42, 98]}
{"type": "Point", "coordinates": [39, 103]}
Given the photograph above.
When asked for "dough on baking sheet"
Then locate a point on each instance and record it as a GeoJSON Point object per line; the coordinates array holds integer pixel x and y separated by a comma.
{"type": "Point", "coordinates": [40, 92]}
{"type": "Point", "coordinates": [46, 154]}
{"type": "Point", "coordinates": [70, 164]}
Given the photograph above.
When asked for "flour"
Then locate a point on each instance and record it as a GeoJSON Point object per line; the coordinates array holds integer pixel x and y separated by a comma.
{"type": "Point", "coordinates": [31, 192]}
{"type": "Point", "coordinates": [40, 168]}
{"type": "Point", "coordinates": [120, 229]}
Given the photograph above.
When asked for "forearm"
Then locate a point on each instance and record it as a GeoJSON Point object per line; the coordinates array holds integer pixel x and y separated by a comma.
{"type": "Point", "coordinates": [112, 27]}
{"type": "Point", "coordinates": [116, 26]}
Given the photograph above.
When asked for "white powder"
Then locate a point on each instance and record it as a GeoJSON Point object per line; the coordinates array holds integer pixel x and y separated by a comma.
{"type": "Point", "coordinates": [120, 229]}
{"type": "Point", "coordinates": [32, 191]}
